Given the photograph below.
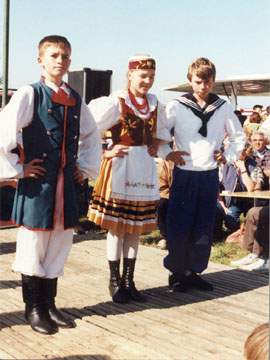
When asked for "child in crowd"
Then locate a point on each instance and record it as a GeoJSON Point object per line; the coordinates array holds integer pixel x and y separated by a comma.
{"type": "Point", "coordinates": [126, 193]}
{"type": "Point", "coordinates": [200, 120]}
{"type": "Point", "coordinates": [60, 146]}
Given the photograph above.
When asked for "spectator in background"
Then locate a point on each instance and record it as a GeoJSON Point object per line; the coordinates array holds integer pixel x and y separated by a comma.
{"type": "Point", "coordinates": [258, 109]}
{"type": "Point", "coordinates": [242, 118]}
{"type": "Point", "coordinates": [255, 239]}
{"type": "Point", "coordinates": [253, 124]}
{"type": "Point", "coordinates": [261, 155]}
{"type": "Point", "coordinates": [242, 175]}
{"type": "Point", "coordinates": [265, 126]}
{"type": "Point", "coordinates": [257, 344]}
{"type": "Point", "coordinates": [165, 170]}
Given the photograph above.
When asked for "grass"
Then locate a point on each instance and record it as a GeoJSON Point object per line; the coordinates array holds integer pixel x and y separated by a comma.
{"type": "Point", "coordinates": [222, 252]}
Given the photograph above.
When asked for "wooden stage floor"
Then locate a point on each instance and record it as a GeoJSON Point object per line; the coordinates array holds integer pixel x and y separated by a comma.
{"type": "Point", "coordinates": [186, 326]}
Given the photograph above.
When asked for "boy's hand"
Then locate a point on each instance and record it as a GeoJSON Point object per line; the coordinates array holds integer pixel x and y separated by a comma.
{"type": "Point", "coordinates": [177, 157]}
{"type": "Point", "coordinates": [219, 157]}
{"type": "Point", "coordinates": [116, 151]}
{"type": "Point", "coordinates": [33, 169]}
{"type": "Point", "coordinates": [78, 176]}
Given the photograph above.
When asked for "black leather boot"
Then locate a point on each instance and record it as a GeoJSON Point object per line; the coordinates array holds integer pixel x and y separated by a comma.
{"type": "Point", "coordinates": [50, 291]}
{"type": "Point", "coordinates": [117, 291]}
{"type": "Point", "coordinates": [36, 312]}
{"type": "Point", "coordinates": [128, 283]}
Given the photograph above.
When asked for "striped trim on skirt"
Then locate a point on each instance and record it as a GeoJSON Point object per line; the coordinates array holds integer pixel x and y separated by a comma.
{"type": "Point", "coordinates": [117, 215]}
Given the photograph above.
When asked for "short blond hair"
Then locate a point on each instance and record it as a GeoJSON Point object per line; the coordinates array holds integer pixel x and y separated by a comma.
{"type": "Point", "coordinates": [257, 344]}
{"type": "Point", "coordinates": [203, 68]}
{"type": "Point", "coordinates": [52, 39]}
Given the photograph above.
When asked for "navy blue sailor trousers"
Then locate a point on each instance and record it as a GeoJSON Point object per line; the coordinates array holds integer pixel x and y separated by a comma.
{"type": "Point", "coordinates": [190, 219]}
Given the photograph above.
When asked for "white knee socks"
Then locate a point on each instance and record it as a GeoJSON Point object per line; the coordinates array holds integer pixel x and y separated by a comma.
{"type": "Point", "coordinates": [130, 246]}
{"type": "Point", "coordinates": [129, 243]}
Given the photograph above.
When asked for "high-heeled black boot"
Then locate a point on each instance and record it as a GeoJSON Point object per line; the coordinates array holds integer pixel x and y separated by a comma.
{"type": "Point", "coordinates": [117, 291]}
{"type": "Point", "coordinates": [50, 292]}
{"type": "Point", "coordinates": [128, 283]}
{"type": "Point", "coordinates": [36, 312]}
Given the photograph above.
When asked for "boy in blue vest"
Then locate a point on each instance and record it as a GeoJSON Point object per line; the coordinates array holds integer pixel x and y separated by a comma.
{"type": "Point", "coordinates": [60, 145]}
{"type": "Point", "coordinates": [200, 120]}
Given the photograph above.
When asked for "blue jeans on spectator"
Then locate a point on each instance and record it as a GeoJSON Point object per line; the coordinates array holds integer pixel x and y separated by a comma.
{"type": "Point", "coordinates": [231, 219]}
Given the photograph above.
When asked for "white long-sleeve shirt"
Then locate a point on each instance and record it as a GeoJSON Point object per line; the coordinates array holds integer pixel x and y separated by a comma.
{"type": "Point", "coordinates": [18, 114]}
{"type": "Point", "coordinates": [106, 111]}
{"type": "Point", "coordinates": [201, 149]}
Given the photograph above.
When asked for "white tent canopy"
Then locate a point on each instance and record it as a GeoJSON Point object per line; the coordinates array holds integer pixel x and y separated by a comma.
{"type": "Point", "coordinates": [249, 85]}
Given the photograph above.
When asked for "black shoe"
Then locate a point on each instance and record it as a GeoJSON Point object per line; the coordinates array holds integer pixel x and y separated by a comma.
{"type": "Point", "coordinates": [195, 281]}
{"type": "Point", "coordinates": [38, 318]}
{"type": "Point", "coordinates": [177, 283]}
{"type": "Point", "coordinates": [58, 317]}
{"type": "Point", "coordinates": [118, 294]}
{"type": "Point", "coordinates": [135, 294]}
{"type": "Point", "coordinates": [49, 288]}
{"type": "Point", "coordinates": [36, 311]}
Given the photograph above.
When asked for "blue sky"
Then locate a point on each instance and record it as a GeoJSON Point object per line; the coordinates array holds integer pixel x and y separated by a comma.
{"type": "Point", "coordinates": [234, 34]}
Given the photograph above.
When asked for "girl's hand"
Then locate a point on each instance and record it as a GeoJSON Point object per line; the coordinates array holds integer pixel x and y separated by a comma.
{"type": "Point", "coordinates": [177, 157]}
{"type": "Point", "coordinates": [116, 151]}
{"type": "Point", "coordinates": [33, 169]}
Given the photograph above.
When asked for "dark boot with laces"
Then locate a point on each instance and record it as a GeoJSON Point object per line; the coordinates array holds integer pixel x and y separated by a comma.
{"type": "Point", "coordinates": [116, 288]}
{"type": "Point", "coordinates": [128, 283]}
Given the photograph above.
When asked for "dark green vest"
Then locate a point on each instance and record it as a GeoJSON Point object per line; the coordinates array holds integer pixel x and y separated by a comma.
{"type": "Point", "coordinates": [34, 202]}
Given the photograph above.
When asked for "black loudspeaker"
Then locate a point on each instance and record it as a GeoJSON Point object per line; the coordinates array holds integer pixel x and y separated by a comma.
{"type": "Point", "coordinates": [90, 84]}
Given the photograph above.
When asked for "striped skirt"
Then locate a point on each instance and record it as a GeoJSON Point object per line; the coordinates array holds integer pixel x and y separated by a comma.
{"type": "Point", "coordinates": [117, 215]}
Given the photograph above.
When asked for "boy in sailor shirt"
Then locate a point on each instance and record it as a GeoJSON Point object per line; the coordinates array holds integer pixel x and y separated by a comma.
{"type": "Point", "coordinates": [201, 120]}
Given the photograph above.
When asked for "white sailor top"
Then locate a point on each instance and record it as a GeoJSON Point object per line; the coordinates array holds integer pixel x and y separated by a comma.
{"type": "Point", "coordinates": [200, 132]}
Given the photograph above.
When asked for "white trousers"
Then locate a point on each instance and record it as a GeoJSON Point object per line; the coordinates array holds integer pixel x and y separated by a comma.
{"type": "Point", "coordinates": [42, 253]}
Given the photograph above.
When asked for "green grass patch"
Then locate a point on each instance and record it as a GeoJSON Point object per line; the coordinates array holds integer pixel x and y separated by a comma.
{"type": "Point", "coordinates": [224, 253]}
{"type": "Point", "coordinates": [151, 239]}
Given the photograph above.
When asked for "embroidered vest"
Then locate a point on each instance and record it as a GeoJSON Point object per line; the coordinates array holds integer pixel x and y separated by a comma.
{"type": "Point", "coordinates": [131, 130]}
{"type": "Point", "coordinates": [52, 136]}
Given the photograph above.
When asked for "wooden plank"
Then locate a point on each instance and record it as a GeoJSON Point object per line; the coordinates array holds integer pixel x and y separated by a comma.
{"type": "Point", "coordinates": [186, 326]}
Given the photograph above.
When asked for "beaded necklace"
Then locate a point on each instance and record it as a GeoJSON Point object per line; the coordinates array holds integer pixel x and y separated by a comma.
{"type": "Point", "coordinates": [139, 107]}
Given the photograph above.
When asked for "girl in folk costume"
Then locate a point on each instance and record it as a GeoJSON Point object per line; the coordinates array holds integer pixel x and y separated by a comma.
{"type": "Point", "coordinates": [126, 192]}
